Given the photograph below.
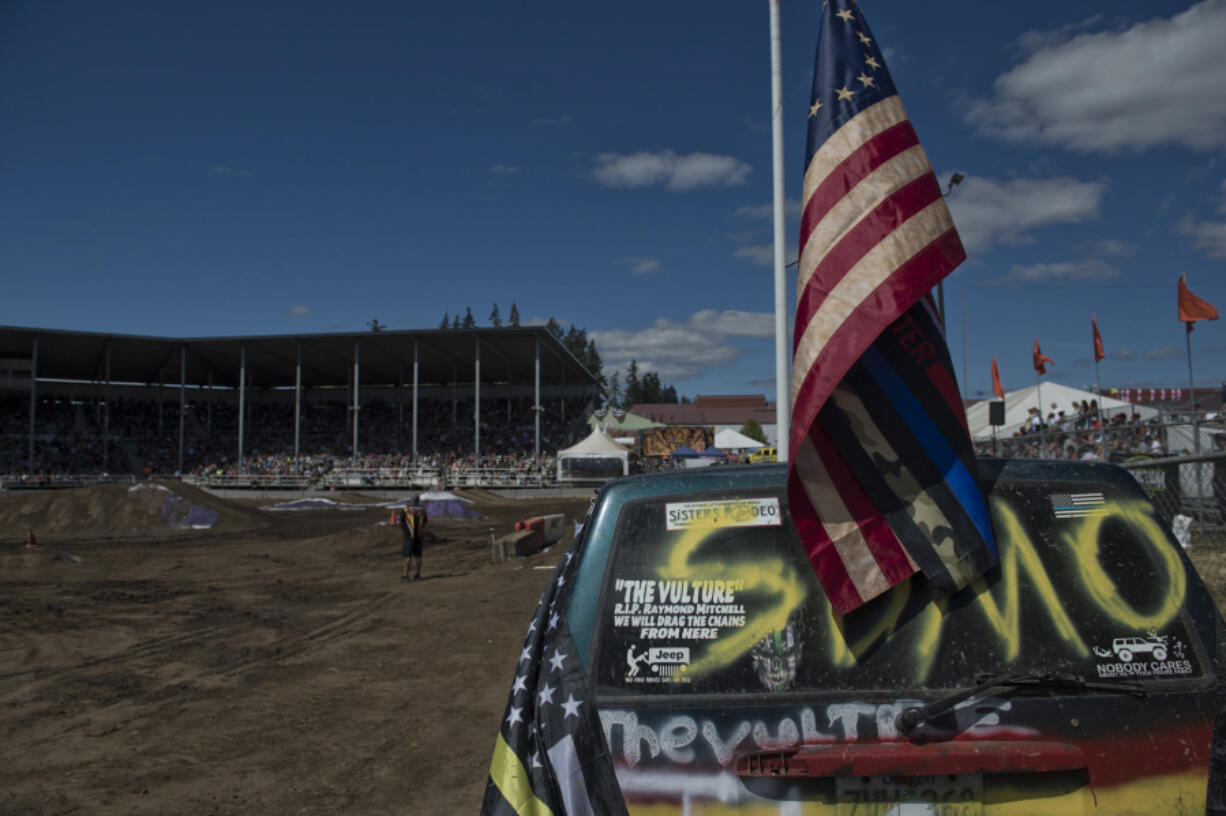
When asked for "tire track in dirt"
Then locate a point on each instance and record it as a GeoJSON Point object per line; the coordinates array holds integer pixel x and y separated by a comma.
{"type": "Point", "coordinates": [348, 623]}
{"type": "Point", "coordinates": [148, 648]}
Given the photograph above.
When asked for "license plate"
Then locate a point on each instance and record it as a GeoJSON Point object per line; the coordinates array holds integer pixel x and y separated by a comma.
{"type": "Point", "coordinates": [937, 795]}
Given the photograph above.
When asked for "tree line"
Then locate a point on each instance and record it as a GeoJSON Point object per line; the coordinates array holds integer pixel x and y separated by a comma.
{"type": "Point", "coordinates": [644, 386]}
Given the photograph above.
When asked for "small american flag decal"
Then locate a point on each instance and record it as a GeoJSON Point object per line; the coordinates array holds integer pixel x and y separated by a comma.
{"type": "Point", "coordinates": [1076, 505]}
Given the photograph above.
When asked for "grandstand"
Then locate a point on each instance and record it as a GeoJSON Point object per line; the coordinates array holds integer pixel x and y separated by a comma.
{"type": "Point", "coordinates": [387, 408]}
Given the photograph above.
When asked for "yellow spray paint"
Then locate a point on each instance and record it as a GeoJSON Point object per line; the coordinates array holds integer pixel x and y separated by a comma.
{"type": "Point", "coordinates": [1083, 539]}
{"type": "Point", "coordinates": [770, 576]}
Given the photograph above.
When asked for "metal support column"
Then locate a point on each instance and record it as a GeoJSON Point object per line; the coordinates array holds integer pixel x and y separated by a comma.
{"type": "Point", "coordinates": [242, 401]}
{"type": "Point", "coordinates": [209, 424]}
{"type": "Point", "coordinates": [477, 403]}
{"type": "Point", "coordinates": [297, 409]}
{"type": "Point", "coordinates": [33, 402]}
{"type": "Point", "coordinates": [182, 401]}
{"type": "Point", "coordinates": [536, 408]}
{"type": "Point", "coordinates": [415, 375]}
{"type": "Point", "coordinates": [106, 415]}
{"type": "Point", "coordinates": [356, 388]}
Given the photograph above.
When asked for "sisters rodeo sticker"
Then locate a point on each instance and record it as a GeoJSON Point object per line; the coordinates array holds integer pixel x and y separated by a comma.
{"type": "Point", "coordinates": [762, 512]}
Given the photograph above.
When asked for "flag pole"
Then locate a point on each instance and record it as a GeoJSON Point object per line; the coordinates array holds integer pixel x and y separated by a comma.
{"type": "Point", "coordinates": [1098, 389]}
{"type": "Point", "coordinates": [783, 404]}
{"type": "Point", "coordinates": [1038, 392]}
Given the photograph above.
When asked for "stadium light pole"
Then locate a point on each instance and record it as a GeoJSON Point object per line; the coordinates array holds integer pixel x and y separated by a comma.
{"type": "Point", "coordinates": [782, 402]}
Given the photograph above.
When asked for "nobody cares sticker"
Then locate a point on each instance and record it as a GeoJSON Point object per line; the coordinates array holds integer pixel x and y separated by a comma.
{"type": "Point", "coordinates": [762, 512]}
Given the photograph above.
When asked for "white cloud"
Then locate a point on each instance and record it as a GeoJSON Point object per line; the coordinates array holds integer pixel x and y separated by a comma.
{"type": "Point", "coordinates": [1164, 353]}
{"type": "Point", "coordinates": [1208, 237]}
{"type": "Point", "coordinates": [678, 350]}
{"type": "Point", "coordinates": [1090, 269]}
{"type": "Point", "coordinates": [760, 255]}
{"type": "Point", "coordinates": [640, 266]}
{"type": "Point", "coordinates": [665, 167]}
{"type": "Point", "coordinates": [1035, 39]}
{"type": "Point", "coordinates": [297, 312]}
{"type": "Point", "coordinates": [1123, 354]}
{"type": "Point", "coordinates": [987, 211]}
{"type": "Point", "coordinates": [1111, 248]}
{"type": "Point", "coordinates": [504, 170]}
{"type": "Point", "coordinates": [791, 209]}
{"type": "Point", "coordinates": [1156, 83]}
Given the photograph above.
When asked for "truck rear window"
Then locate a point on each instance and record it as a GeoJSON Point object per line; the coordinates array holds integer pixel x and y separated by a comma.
{"type": "Point", "coordinates": [712, 593]}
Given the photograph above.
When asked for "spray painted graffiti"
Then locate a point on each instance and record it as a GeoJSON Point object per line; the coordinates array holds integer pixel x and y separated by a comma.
{"type": "Point", "coordinates": [682, 739]}
{"type": "Point", "coordinates": [701, 601]}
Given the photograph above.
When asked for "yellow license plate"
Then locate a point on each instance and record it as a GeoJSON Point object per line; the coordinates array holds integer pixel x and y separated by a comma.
{"type": "Point", "coordinates": [937, 795]}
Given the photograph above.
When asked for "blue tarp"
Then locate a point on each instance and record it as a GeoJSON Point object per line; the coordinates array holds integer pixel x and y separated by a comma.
{"type": "Point", "coordinates": [684, 450]}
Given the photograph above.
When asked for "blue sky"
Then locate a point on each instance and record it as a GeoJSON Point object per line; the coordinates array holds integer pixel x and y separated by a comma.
{"type": "Point", "coordinates": [239, 168]}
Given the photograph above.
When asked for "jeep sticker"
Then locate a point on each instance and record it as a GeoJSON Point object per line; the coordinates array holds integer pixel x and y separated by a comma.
{"type": "Point", "coordinates": [657, 664]}
{"type": "Point", "coordinates": [763, 512]}
{"type": "Point", "coordinates": [1151, 655]}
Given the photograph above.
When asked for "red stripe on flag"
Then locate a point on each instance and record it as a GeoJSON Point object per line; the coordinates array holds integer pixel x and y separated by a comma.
{"type": "Point", "coordinates": [848, 173]}
{"type": "Point", "coordinates": [887, 550]}
{"type": "Point", "coordinates": [893, 297]}
{"type": "Point", "coordinates": [823, 557]}
{"type": "Point", "coordinates": [948, 389]}
{"type": "Point", "coordinates": [875, 227]}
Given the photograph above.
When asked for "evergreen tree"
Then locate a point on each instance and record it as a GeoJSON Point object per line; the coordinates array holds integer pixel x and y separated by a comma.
{"type": "Point", "coordinates": [632, 385]}
{"type": "Point", "coordinates": [615, 390]}
{"type": "Point", "coordinates": [496, 318]}
{"type": "Point", "coordinates": [649, 387]}
{"type": "Point", "coordinates": [455, 321]}
{"type": "Point", "coordinates": [514, 316]}
{"type": "Point", "coordinates": [753, 430]}
{"type": "Point", "coordinates": [668, 394]}
{"type": "Point", "coordinates": [591, 359]}
{"type": "Point", "coordinates": [375, 326]}
{"type": "Point", "coordinates": [446, 324]}
{"type": "Point", "coordinates": [554, 328]}
{"type": "Point", "coordinates": [469, 321]}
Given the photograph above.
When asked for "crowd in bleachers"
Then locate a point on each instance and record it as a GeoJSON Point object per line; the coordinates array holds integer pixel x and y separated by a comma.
{"type": "Point", "coordinates": [1082, 433]}
{"type": "Point", "coordinates": [142, 435]}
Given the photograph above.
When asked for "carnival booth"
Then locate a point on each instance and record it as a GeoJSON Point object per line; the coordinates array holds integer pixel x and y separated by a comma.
{"type": "Point", "coordinates": [596, 457]}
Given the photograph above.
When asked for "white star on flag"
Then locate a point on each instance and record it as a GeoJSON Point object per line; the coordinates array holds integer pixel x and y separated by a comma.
{"type": "Point", "coordinates": [546, 695]}
{"type": "Point", "coordinates": [553, 621]}
{"type": "Point", "coordinates": [514, 717]}
{"type": "Point", "coordinates": [556, 660]}
{"type": "Point", "coordinates": [525, 654]}
{"type": "Point", "coordinates": [520, 685]}
{"type": "Point", "coordinates": [571, 706]}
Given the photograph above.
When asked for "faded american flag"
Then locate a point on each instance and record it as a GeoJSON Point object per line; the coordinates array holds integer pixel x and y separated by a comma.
{"type": "Point", "coordinates": [551, 757]}
{"type": "Point", "coordinates": [882, 480]}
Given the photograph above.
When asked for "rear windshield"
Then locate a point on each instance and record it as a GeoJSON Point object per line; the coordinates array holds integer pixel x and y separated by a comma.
{"type": "Point", "coordinates": [712, 593]}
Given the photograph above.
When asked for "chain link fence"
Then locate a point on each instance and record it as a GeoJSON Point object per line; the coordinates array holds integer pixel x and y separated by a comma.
{"type": "Point", "coordinates": [1181, 465]}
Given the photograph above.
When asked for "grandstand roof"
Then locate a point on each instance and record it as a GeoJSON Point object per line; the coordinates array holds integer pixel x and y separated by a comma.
{"type": "Point", "coordinates": [507, 354]}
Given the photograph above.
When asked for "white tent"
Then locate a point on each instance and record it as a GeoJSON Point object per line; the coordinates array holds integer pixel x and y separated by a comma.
{"type": "Point", "coordinates": [1018, 404]}
{"type": "Point", "coordinates": [596, 457]}
{"type": "Point", "coordinates": [728, 439]}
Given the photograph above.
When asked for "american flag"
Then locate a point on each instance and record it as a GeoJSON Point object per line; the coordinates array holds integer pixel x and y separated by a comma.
{"type": "Point", "coordinates": [882, 480]}
{"type": "Point", "coordinates": [1077, 505]}
{"type": "Point", "coordinates": [551, 757]}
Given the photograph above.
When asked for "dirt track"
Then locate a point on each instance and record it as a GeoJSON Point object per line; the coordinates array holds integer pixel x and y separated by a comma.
{"type": "Point", "coordinates": [272, 664]}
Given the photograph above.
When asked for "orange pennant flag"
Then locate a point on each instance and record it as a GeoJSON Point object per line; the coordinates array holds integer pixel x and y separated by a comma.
{"type": "Point", "coordinates": [1192, 308]}
{"type": "Point", "coordinates": [1098, 340]}
{"type": "Point", "coordinates": [997, 388]}
{"type": "Point", "coordinates": [1040, 358]}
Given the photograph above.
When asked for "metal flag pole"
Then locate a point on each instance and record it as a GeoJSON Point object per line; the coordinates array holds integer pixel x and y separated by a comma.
{"type": "Point", "coordinates": [783, 404]}
{"type": "Point", "coordinates": [1038, 392]}
{"type": "Point", "coordinates": [1200, 484]}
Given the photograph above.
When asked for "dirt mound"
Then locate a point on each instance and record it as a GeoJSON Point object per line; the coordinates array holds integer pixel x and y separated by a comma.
{"type": "Point", "coordinates": [121, 511]}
